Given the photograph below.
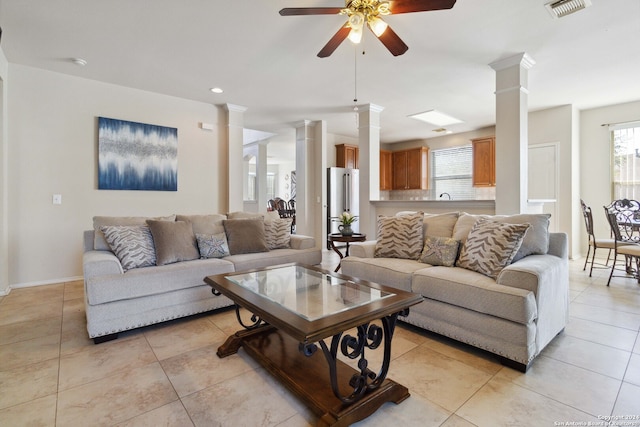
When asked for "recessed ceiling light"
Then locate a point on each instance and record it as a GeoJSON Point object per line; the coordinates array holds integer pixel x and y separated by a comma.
{"type": "Point", "coordinates": [79, 61]}
{"type": "Point", "coordinates": [436, 118]}
{"type": "Point", "coordinates": [216, 90]}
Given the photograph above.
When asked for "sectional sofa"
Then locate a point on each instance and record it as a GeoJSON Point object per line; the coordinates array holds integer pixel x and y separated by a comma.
{"type": "Point", "coordinates": [499, 283]}
{"type": "Point", "coordinates": [139, 270]}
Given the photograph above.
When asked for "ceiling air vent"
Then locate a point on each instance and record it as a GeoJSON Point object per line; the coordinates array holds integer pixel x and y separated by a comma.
{"type": "Point", "coordinates": [560, 8]}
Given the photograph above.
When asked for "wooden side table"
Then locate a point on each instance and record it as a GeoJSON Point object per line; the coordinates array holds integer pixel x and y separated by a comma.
{"type": "Point", "coordinates": [337, 237]}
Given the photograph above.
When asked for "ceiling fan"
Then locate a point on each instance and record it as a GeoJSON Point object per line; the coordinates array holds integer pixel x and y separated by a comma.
{"type": "Point", "coordinates": [369, 12]}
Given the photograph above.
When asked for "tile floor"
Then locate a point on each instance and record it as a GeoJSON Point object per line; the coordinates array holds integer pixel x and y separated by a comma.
{"type": "Point", "coordinates": [51, 374]}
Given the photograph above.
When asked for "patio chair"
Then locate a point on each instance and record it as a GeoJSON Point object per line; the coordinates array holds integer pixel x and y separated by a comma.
{"type": "Point", "coordinates": [625, 227]}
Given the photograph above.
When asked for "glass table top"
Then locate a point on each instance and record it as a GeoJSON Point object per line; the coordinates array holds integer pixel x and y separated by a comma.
{"type": "Point", "coordinates": [309, 293]}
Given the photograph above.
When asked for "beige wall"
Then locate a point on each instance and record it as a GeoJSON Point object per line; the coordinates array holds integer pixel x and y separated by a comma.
{"type": "Point", "coordinates": [53, 150]}
{"type": "Point", "coordinates": [595, 160]}
{"type": "Point", "coordinates": [49, 133]}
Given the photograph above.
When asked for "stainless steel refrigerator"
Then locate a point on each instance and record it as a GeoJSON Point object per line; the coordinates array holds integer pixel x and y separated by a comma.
{"type": "Point", "coordinates": [343, 196]}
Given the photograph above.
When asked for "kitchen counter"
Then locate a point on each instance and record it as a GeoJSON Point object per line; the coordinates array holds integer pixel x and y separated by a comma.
{"type": "Point", "coordinates": [391, 207]}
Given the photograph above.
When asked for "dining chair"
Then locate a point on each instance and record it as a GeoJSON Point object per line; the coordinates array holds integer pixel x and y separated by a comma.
{"type": "Point", "coordinates": [625, 228]}
{"type": "Point", "coordinates": [594, 242]}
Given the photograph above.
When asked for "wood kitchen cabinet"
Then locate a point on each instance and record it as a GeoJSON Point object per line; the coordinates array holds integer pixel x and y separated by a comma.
{"type": "Point", "coordinates": [484, 162]}
{"type": "Point", "coordinates": [347, 156]}
{"type": "Point", "coordinates": [386, 170]}
{"type": "Point", "coordinates": [410, 169]}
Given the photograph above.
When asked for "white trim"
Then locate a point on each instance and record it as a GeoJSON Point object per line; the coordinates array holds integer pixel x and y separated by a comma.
{"type": "Point", "coordinates": [45, 282]}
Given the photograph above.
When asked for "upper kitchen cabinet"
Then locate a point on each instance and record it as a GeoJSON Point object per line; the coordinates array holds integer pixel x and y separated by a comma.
{"type": "Point", "coordinates": [347, 156]}
{"type": "Point", "coordinates": [484, 162]}
{"type": "Point", "coordinates": [410, 169]}
{"type": "Point", "coordinates": [386, 170]}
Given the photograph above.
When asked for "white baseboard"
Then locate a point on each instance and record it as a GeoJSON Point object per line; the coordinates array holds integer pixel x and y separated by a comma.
{"type": "Point", "coordinates": [39, 283]}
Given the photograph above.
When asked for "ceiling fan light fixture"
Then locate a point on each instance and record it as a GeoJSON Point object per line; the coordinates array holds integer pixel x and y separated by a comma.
{"type": "Point", "coordinates": [378, 26]}
{"type": "Point", "coordinates": [355, 35]}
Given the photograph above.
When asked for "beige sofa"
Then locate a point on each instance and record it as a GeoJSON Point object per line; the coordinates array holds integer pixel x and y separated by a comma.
{"type": "Point", "coordinates": [118, 298]}
{"type": "Point", "coordinates": [513, 315]}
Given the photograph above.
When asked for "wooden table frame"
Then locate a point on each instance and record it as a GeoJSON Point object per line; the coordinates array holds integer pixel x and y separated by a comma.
{"type": "Point", "coordinates": [286, 345]}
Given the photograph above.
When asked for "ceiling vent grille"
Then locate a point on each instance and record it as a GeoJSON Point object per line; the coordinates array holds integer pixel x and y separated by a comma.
{"type": "Point", "coordinates": [560, 8]}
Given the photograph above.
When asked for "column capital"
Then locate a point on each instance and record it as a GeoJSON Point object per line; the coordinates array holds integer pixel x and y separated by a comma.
{"type": "Point", "coordinates": [522, 59]}
{"type": "Point", "coordinates": [235, 108]}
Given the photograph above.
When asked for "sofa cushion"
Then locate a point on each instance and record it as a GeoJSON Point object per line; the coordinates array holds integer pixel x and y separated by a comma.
{"type": "Point", "coordinates": [477, 292]}
{"type": "Point", "coordinates": [440, 225]}
{"type": "Point", "coordinates": [213, 245]}
{"type": "Point", "coordinates": [204, 224]}
{"type": "Point", "coordinates": [244, 215]}
{"type": "Point", "coordinates": [491, 246]}
{"type": "Point", "coordinates": [174, 241]}
{"type": "Point", "coordinates": [536, 241]}
{"type": "Point", "coordinates": [388, 271]}
{"type": "Point", "coordinates": [277, 233]}
{"type": "Point", "coordinates": [132, 244]}
{"type": "Point", "coordinates": [400, 236]}
{"type": "Point", "coordinates": [245, 236]}
{"type": "Point", "coordinates": [100, 243]}
{"type": "Point", "coordinates": [439, 251]}
{"type": "Point", "coordinates": [154, 280]}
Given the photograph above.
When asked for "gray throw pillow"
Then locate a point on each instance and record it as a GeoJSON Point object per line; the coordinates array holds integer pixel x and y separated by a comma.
{"type": "Point", "coordinates": [213, 245]}
{"type": "Point", "coordinates": [245, 236]}
{"type": "Point", "coordinates": [400, 236]}
{"type": "Point", "coordinates": [132, 244]}
{"type": "Point", "coordinates": [491, 246]}
{"type": "Point", "coordinates": [174, 241]}
{"type": "Point", "coordinates": [440, 251]}
{"type": "Point", "coordinates": [204, 224]}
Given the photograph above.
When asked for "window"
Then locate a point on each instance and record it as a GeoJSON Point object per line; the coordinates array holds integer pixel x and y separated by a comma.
{"type": "Point", "coordinates": [626, 161]}
{"type": "Point", "coordinates": [452, 170]}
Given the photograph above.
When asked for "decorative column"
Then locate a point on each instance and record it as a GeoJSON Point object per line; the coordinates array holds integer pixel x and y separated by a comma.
{"type": "Point", "coordinates": [369, 165]}
{"type": "Point", "coordinates": [512, 133]}
{"type": "Point", "coordinates": [305, 178]}
{"type": "Point", "coordinates": [235, 139]}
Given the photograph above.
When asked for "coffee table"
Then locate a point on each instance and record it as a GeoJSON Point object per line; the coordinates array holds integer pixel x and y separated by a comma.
{"type": "Point", "coordinates": [298, 309]}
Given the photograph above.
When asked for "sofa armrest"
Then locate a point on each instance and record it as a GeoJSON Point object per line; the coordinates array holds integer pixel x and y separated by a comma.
{"type": "Point", "coordinates": [299, 241]}
{"type": "Point", "coordinates": [365, 249]}
{"type": "Point", "coordinates": [559, 245]}
{"type": "Point", "coordinates": [100, 263]}
{"type": "Point", "coordinates": [87, 240]}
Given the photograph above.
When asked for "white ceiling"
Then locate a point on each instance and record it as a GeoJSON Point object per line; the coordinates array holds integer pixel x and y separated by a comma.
{"type": "Point", "coordinates": [268, 63]}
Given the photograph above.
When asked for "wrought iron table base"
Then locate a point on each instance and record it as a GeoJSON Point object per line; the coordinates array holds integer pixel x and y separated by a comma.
{"type": "Point", "coordinates": [345, 395]}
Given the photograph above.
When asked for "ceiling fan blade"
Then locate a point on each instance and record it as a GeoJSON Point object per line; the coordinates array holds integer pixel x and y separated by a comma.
{"type": "Point", "coordinates": [292, 11]}
{"type": "Point", "coordinates": [408, 6]}
{"type": "Point", "coordinates": [394, 43]}
{"type": "Point", "coordinates": [335, 41]}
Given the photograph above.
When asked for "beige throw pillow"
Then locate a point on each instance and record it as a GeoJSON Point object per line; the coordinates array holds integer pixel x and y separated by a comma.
{"type": "Point", "coordinates": [400, 236]}
{"type": "Point", "coordinates": [245, 236]}
{"type": "Point", "coordinates": [439, 251]}
{"type": "Point", "coordinates": [174, 241]}
{"type": "Point", "coordinates": [491, 246]}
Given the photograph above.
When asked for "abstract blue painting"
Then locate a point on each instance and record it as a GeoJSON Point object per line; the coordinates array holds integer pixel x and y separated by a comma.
{"type": "Point", "coordinates": [136, 156]}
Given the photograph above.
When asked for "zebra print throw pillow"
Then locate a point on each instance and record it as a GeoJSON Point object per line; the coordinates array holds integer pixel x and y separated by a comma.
{"type": "Point", "coordinates": [277, 233]}
{"type": "Point", "coordinates": [400, 236]}
{"type": "Point", "coordinates": [491, 246]}
{"type": "Point", "coordinates": [132, 244]}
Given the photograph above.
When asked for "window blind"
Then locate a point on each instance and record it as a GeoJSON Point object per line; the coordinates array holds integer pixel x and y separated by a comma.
{"type": "Point", "coordinates": [452, 170]}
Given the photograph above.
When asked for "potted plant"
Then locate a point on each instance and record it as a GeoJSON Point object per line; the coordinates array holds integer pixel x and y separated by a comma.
{"type": "Point", "coordinates": [346, 219]}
